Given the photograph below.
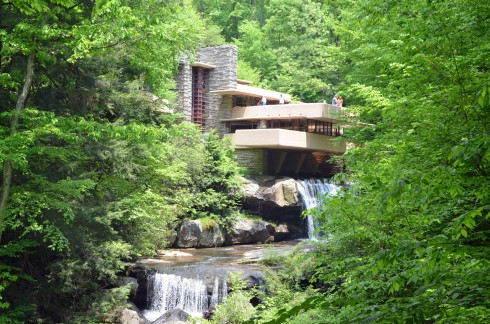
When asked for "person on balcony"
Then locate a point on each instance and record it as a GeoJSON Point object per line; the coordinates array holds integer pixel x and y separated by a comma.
{"type": "Point", "coordinates": [264, 101]}
{"type": "Point", "coordinates": [281, 100]}
{"type": "Point", "coordinates": [340, 101]}
{"type": "Point", "coordinates": [334, 101]}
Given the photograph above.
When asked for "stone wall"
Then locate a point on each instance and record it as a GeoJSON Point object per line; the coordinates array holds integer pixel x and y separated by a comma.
{"type": "Point", "coordinates": [252, 159]}
{"type": "Point", "coordinates": [223, 76]}
{"type": "Point", "coordinates": [184, 91]}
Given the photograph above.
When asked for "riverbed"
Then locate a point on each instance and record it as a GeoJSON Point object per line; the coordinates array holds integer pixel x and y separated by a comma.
{"type": "Point", "coordinates": [195, 279]}
{"type": "Point", "coordinates": [235, 255]}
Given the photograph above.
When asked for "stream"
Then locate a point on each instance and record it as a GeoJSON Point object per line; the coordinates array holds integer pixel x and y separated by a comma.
{"type": "Point", "coordinates": [195, 280]}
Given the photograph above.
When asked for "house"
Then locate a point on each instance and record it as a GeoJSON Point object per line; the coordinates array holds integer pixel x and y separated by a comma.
{"type": "Point", "coordinates": [293, 139]}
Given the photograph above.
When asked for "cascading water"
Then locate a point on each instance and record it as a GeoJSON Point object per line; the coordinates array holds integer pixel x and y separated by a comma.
{"type": "Point", "coordinates": [169, 291]}
{"type": "Point", "coordinates": [215, 295]}
{"type": "Point", "coordinates": [312, 191]}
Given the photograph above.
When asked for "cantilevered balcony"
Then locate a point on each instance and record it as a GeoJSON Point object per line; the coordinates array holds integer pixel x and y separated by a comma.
{"type": "Point", "coordinates": [306, 127]}
{"type": "Point", "coordinates": [286, 140]}
{"type": "Point", "coordinates": [314, 111]}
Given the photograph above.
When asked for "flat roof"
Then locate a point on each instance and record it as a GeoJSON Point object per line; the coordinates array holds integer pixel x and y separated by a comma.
{"type": "Point", "coordinates": [240, 81]}
{"type": "Point", "coordinates": [268, 118]}
{"type": "Point", "coordinates": [246, 90]}
{"type": "Point", "coordinates": [203, 65]}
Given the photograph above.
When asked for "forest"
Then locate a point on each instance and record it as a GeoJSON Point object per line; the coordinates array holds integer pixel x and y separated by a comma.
{"type": "Point", "coordinates": [92, 178]}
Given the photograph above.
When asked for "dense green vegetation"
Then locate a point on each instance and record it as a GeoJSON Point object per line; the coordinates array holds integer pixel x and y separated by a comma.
{"type": "Point", "coordinates": [408, 241]}
{"type": "Point", "coordinates": [93, 178]}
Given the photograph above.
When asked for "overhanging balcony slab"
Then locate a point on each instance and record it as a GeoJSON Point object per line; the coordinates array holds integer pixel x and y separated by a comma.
{"type": "Point", "coordinates": [246, 90]}
{"type": "Point", "coordinates": [286, 139]}
{"type": "Point", "coordinates": [315, 111]}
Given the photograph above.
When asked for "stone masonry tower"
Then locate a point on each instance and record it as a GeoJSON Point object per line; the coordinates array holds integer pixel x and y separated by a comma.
{"type": "Point", "coordinates": [215, 68]}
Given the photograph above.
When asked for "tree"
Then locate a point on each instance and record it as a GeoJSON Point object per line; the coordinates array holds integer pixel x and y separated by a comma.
{"type": "Point", "coordinates": [229, 15]}
{"type": "Point", "coordinates": [408, 239]}
{"type": "Point", "coordinates": [73, 142]}
{"type": "Point", "coordinates": [411, 231]}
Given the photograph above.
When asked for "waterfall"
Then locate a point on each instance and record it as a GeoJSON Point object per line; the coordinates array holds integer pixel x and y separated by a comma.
{"type": "Point", "coordinates": [169, 291]}
{"type": "Point", "coordinates": [218, 296]}
{"type": "Point", "coordinates": [215, 295]}
{"type": "Point", "coordinates": [312, 191]}
{"type": "Point", "coordinates": [224, 290]}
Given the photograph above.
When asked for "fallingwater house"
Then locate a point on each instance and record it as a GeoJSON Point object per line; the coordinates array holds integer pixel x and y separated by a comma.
{"type": "Point", "coordinates": [277, 142]}
{"type": "Point", "coordinates": [290, 139]}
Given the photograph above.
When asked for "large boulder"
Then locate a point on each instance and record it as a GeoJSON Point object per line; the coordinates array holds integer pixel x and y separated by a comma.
{"type": "Point", "coordinates": [192, 234]}
{"type": "Point", "coordinates": [281, 233]}
{"type": "Point", "coordinates": [246, 231]}
{"type": "Point", "coordinates": [274, 199]}
{"type": "Point", "coordinates": [189, 234]}
{"type": "Point", "coordinates": [129, 316]}
{"type": "Point", "coordinates": [281, 192]}
{"type": "Point", "coordinates": [176, 315]}
{"type": "Point", "coordinates": [212, 236]}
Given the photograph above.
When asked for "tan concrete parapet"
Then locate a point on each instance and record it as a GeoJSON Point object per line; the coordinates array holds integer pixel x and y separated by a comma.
{"type": "Point", "coordinates": [316, 111]}
{"type": "Point", "coordinates": [246, 90]}
{"type": "Point", "coordinates": [286, 139]}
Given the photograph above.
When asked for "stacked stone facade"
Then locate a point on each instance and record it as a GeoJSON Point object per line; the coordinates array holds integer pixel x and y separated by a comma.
{"type": "Point", "coordinates": [222, 76]}
{"type": "Point", "coordinates": [184, 90]}
{"type": "Point", "coordinates": [253, 159]}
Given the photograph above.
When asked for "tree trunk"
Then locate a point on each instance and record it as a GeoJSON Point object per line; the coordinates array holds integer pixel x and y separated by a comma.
{"type": "Point", "coordinates": [7, 164]}
{"type": "Point", "coordinates": [262, 13]}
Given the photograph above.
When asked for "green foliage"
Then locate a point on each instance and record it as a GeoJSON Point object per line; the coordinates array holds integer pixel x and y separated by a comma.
{"type": "Point", "coordinates": [95, 194]}
{"type": "Point", "coordinates": [212, 35]}
{"type": "Point", "coordinates": [408, 240]}
{"type": "Point", "coordinates": [247, 72]}
{"type": "Point", "coordinates": [293, 45]}
{"type": "Point", "coordinates": [230, 14]}
{"type": "Point", "coordinates": [109, 303]}
{"type": "Point", "coordinates": [208, 223]}
{"type": "Point", "coordinates": [271, 257]}
{"type": "Point", "coordinates": [98, 178]}
{"type": "Point", "coordinates": [236, 307]}
{"type": "Point", "coordinates": [286, 285]}
{"type": "Point", "coordinates": [254, 49]}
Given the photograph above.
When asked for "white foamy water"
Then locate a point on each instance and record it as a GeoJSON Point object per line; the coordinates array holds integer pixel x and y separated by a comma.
{"type": "Point", "coordinates": [169, 291]}
{"type": "Point", "coordinates": [312, 192]}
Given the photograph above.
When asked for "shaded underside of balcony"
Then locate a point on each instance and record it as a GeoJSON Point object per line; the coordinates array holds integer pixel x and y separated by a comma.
{"type": "Point", "coordinates": [299, 164]}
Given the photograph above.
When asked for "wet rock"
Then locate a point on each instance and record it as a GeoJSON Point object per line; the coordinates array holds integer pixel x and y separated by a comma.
{"type": "Point", "coordinates": [173, 253]}
{"type": "Point", "coordinates": [131, 315]}
{"type": "Point", "coordinates": [246, 231]}
{"type": "Point", "coordinates": [213, 236]}
{"type": "Point", "coordinates": [281, 192]}
{"type": "Point", "coordinates": [281, 233]}
{"type": "Point", "coordinates": [176, 315]}
{"type": "Point", "coordinates": [141, 274]}
{"type": "Point", "coordinates": [189, 234]}
{"type": "Point", "coordinates": [209, 314]}
{"type": "Point", "coordinates": [192, 234]}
